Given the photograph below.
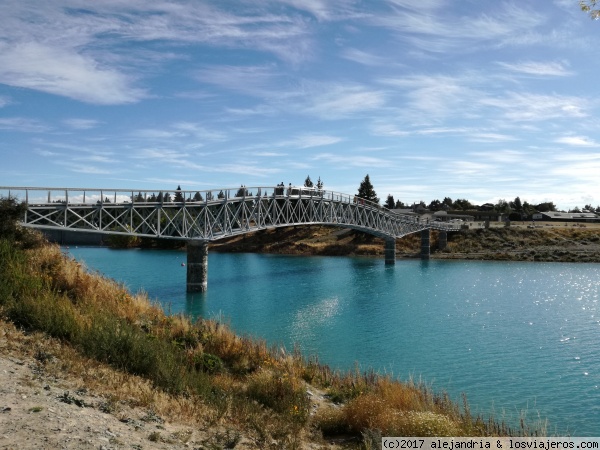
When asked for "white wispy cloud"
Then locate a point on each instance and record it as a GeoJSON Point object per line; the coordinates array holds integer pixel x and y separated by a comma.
{"type": "Point", "coordinates": [491, 137]}
{"type": "Point", "coordinates": [433, 28]}
{"type": "Point", "coordinates": [365, 58]}
{"type": "Point", "coordinates": [311, 140]}
{"type": "Point", "coordinates": [64, 72]}
{"type": "Point", "coordinates": [81, 124]}
{"type": "Point", "coordinates": [23, 124]}
{"type": "Point", "coordinates": [257, 81]}
{"type": "Point", "coordinates": [343, 100]}
{"type": "Point", "coordinates": [524, 106]}
{"type": "Point", "coordinates": [352, 160]}
{"type": "Point", "coordinates": [554, 69]}
{"type": "Point", "coordinates": [577, 141]}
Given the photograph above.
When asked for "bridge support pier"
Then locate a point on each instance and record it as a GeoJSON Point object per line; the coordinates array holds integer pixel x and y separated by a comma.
{"type": "Point", "coordinates": [442, 239]}
{"type": "Point", "coordinates": [390, 251]}
{"type": "Point", "coordinates": [197, 266]}
{"type": "Point", "coordinates": [425, 248]}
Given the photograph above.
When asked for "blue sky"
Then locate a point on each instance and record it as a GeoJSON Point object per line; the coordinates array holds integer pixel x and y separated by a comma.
{"type": "Point", "coordinates": [482, 100]}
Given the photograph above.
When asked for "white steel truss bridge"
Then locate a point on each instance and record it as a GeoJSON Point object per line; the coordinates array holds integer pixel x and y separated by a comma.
{"type": "Point", "coordinates": [201, 217]}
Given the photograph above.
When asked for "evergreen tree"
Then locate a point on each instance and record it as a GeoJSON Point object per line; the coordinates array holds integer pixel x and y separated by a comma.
{"type": "Point", "coordinates": [366, 191]}
{"type": "Point", "coordinates": [390, 203]}
{"type": "Point", "coordinates": [319, 184]}
{"type": "Point", "coordinates": [220, 195]}
{"type": "Point", "coordinates": [399, 205]}
{"type": "Point", "coordinates": [198, 197]}
{"type": "Point", "coordinates": [178, 195]}
{"type": "Point", "coordinates": [435, 205]}
{"type": "Point", "coordinates": [308, 182]}
{"type": "Point", "coordinates": [242, 191]}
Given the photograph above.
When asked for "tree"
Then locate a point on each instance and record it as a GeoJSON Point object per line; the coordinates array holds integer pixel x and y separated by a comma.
{"type": "Point", "coordinates": [447, 202]}
{"type": "Point", "coordinates": [197, 197]}
{"type": "Point", "coordinates": [242, 191]}
{"type": "Point", "coordinates": [219, 195]}
{"type": "Point", "coordinates": [435, 205]}
{"type": "Point", "coordinates": [319, 184]}
{"type": "Point", "coordinates": [308, 182]}
{"type": "Point", "coordinates": [502, 206]}
{"type": "Point", "coordinates": [517, 205]}
{"type": "Point", "coordinates": [399, 205]}
{"type": "Point", "coordinates": [390, 203]}
{"type": "Point", "coordinates": [178, 195]}
{"type": "Point", "coordinates": [366, 191]}
{"type": "Point", "coordinates": [462, 204]}
{"type": "Point", "coordinates": [589, 6]}
{"type": "Point", "coordinates": [545, 207]}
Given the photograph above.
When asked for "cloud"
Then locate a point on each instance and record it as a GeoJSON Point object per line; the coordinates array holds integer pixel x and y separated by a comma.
{"type": "Point", "coordinates": [64, 72]}
{"type": "Point", "coordinates": [434, 27]}
{"type": "Point", "coordinates": [577, 141]}
{"type": "Point", "coordinates": [555, 69]}
{"type": "Point", "coordinates": [491, 137]}
{"type": "Point", "coordinates": [312, 140]}
{"type": "Point", "coordinates": [352, 160]}
{"type": "Point", "coordinates": [81, 124]}
{"type": "Point", "coordinates": [364, 58]}
{"type": "Point", "coordinates": [4, 101]}
{"type": "Point", "coordinates": [343, 100]}
{"type": "Point", "coordinates": [23, 125]}
{"type": "Point", "coordinates": [525, 106]}
{"type": "Point", "coordinates": [251, 80]}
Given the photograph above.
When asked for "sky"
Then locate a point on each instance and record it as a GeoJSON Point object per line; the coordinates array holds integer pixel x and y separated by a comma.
{"type": "Point", "coordinates": [470, 99]}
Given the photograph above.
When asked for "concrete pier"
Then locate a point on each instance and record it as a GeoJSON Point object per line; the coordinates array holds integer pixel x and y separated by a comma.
{"type": "Point", "coordinates": [425, 247]}
{"type": "Point", "coordinates": [197, 266]}
{"type": "Point", "coordinates": [390, 251]}
{"type": "Point", "coordinates": [442, 239]}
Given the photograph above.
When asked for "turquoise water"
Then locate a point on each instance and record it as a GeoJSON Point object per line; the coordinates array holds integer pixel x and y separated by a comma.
{"type": "Point", "coordinates": [517, 338]}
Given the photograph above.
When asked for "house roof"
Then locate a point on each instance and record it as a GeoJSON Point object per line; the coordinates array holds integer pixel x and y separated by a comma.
{"type": "Point", "coordinates": [569, 216]}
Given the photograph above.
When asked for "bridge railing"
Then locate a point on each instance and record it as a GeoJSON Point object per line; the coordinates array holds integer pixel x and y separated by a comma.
{"type": "Point", "coordinates": [90, 196]}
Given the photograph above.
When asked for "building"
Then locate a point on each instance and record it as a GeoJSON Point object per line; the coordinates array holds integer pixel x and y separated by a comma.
{"type": "Point", "coordinates": [555, 216]}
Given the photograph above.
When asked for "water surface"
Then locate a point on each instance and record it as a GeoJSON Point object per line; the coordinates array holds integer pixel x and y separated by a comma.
{"type": "Point", "coordinates": [517, 338]}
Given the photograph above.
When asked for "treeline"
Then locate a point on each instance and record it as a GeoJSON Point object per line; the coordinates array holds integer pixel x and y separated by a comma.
{"type": "Point", "coordinates": [516, 208]}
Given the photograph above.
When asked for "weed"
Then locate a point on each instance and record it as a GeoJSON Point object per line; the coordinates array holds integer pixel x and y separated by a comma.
{"type": "Point", "coordinates": [155, 437]}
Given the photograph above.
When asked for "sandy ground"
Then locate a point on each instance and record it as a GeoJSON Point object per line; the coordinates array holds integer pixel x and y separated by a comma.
{"type": "Point", "coordinates": [41, 412]}
{"type": "Point", "coordinates": [42, 407]}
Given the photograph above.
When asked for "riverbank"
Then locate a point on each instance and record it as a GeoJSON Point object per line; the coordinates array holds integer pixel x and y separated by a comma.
{"type": "Point", "coordinates": [132, 376]}
{"type": "Point", "coordinates": [554, 242]}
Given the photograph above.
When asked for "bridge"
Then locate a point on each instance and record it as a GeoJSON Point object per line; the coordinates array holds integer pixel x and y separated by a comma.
{"type": "Point", "coordinates": [201, 217]}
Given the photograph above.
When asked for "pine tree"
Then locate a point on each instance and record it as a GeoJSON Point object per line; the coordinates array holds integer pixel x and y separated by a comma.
{"type": "Point", "coordinates": [319, 184]}
{"type": "Point", "coordinates": [308, 182]}
{"type": "Point", "coordinates": [390, 203]}
{"type": "Point", "coordinates": [178, 195]}
{"type": "Point", "coordinates": [366, 191]}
